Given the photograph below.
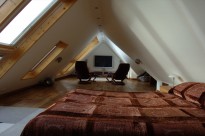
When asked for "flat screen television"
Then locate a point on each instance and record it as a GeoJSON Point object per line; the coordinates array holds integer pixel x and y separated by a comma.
{"type": "Point", "coordinates": [103, 61]}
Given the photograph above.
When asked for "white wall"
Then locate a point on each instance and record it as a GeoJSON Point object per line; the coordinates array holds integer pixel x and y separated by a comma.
{"type": "Point", "coordinates": [103, 50]}
{"type": "Point", "coordinates": [136, 68]}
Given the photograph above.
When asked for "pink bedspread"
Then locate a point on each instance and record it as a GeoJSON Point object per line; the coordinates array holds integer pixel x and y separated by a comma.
{"type": "Point", "coordinates": [106, 113]}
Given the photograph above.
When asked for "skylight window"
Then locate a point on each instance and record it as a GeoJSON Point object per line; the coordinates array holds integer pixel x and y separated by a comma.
{"type": "Point", "coordinates": [24, 20]}
{"type": "Point", "coordinates": [43, 58]}
{"type": "Point", "coordinates": [80, 56]}
{"type": "Point", "coordinates": [46, 60]}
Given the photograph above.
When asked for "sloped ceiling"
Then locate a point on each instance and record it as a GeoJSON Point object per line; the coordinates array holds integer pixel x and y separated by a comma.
{"type": "Point", "coordinates": [76, 28]}
{"type": "Point", "coordinates": [166, 35]}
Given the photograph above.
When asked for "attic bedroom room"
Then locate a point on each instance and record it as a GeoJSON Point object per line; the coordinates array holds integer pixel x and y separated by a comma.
{"type": "Point", "coordinates": [102, 67]}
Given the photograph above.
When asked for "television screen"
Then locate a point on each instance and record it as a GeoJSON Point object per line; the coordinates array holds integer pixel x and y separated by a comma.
{"type": "Point", "coordinates": [103, 61]}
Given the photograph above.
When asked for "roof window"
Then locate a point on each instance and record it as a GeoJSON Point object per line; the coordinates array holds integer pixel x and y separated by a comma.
{"type": "Point", "coordinates": [24, 20]}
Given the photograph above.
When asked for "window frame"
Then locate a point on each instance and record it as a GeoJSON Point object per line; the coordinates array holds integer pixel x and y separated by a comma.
{"type": "Point", "coordinates": [90, 47]}
{"type": "Point", "coordinates": [48, 58]}
{"type": "Point", "coordinates": [24, 30]}
{"type": "Point", "coordinates": [10, 10]}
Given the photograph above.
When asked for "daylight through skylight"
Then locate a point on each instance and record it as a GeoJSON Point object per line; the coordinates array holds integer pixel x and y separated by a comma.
{"type": "Point", "coordinates": [24, 20]}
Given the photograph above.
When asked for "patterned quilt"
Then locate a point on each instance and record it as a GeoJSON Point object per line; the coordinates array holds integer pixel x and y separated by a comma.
{"type": "Point", "coordinates": [105, 113]}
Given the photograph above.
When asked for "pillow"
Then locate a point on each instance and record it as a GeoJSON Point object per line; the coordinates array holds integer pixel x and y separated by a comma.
{"type": "Point", "coordinates": [194, 94]}
{"type": "Point", "coordinates": [181, 88]}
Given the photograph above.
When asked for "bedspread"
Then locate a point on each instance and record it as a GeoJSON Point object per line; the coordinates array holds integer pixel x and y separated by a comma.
{"type": "Point", "coordinates": [105, 113]}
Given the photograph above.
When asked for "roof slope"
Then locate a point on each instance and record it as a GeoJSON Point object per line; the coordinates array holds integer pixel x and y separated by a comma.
{"type": "Point", "coordinates": [166, 35]}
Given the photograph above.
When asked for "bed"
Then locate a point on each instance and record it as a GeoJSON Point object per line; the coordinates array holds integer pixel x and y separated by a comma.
{"type": "Point", "coordinates": [84, 112]}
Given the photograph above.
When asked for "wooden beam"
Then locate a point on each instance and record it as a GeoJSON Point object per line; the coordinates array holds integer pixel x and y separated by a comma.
{"type": "Point", "coordinates": [80, 56]}
{"type": "Point", "coordinates": [6, 50]}
{"type": "Point", "coordinates": [35, 34]}
{"type": "Point", "coordinates": [9, 10]}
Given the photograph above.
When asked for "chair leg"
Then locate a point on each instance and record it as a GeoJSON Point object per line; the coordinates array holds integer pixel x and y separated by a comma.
{"type": "Point", "coordinates": [108, 79]}
{"type": "Point", "coordinates": [113, 81]}
{"type": "Point", "coordinates": [94, 77]}
{"type": "Point", "coordinates": [84, 81]}
{"type": "Point", "coordinates": [118, 83]}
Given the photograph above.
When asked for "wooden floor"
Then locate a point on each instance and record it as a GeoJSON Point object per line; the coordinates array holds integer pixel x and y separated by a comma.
{"type": "Point", "coordinates": [43, 97]}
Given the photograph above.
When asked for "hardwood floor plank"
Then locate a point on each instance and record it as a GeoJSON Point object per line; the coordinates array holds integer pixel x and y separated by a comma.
{"type": "Point", "coordinates": [42, 97]}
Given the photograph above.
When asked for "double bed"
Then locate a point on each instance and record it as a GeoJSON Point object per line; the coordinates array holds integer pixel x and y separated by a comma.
{"type": "Point", "coordinates": [84, 112]}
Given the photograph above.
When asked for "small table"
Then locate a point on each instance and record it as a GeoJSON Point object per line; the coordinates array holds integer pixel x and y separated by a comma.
{"type": "Point", "coordinates": [96, 74]}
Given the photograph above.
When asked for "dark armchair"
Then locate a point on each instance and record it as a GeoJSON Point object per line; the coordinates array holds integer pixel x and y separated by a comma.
{"type": "Point", "coordinates": [82, 71]}
{"type": "Point", "coordinates": [121, 73]}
